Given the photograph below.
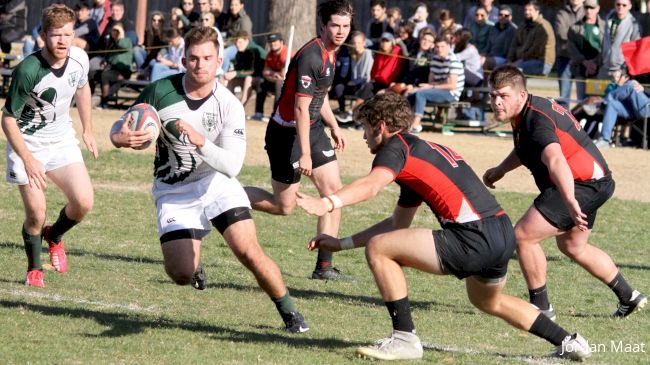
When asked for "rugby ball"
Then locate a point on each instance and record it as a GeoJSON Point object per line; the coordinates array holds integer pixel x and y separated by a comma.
{"type": "Point", "coordinates": [144, 117]}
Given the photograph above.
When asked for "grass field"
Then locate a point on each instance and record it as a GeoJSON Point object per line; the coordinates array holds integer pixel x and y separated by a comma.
{"type": "Point", "coordinates": [116, 305]}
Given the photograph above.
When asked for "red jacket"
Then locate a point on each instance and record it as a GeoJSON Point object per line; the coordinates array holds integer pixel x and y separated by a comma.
{"type": "Point", "coordinates": [387, 68]}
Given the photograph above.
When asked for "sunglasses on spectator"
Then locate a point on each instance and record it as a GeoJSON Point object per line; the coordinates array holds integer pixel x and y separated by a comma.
{"type": "Point", "coordinates": [156, 20]}
{"type": "Point", "coordinates": [621, 5]}
{"type": "Point", "coordinates": [479, 15]}
{"type": "Point", "coordinates": [504, 15]}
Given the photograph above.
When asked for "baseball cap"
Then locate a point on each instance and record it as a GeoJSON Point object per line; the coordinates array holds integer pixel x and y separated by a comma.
{"type": "Point", "coordinates": [274, 37]}
{"type": "Point", "coordinates": [387, 36]}
{"type": "Point", "coordinates": [590, 4]}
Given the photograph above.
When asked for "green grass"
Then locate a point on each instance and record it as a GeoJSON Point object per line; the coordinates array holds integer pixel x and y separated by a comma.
{"type": "Point", "coordinates": [116, 304]}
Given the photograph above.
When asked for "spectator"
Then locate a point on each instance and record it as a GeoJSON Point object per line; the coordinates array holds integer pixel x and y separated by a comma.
{"type": "Point", "coordinates": [169, 60]}
{"type": "Point", "coordinates": [500, 39]}
{"type": "Point", "coordinates": [491, 10]}
{"type": "Point", "coordinates": [564, 19]}
{"type": "Point", "coordinates": [153, 41]}
{"type": "Point", "coordinates": [446, 82]}
{"type": "Point", "coordinates": [447, 22]}
{"type": "Point", "coordinates": [378, 24]}
{"type": "Point", "coordinates": [644, 20]}
{"type": "Point", "coordinates": [386, 68]}
{"type": "Point", "coordinates": [418, 68]}
{"type": "Point", "coordinates": [85, 28]}
{"type": "Point", "coordinates": [627, 101]}
{"type": "Point", "coordinates": [273, 73]}
{"type": "Point", "coordinates": [35, 42]}
{"type": "Point", "coordinates": [188, 16]}
{"type": "Point", "coordinates": [248, 66]}
{"type": "Point", "coordinates": [480, 29]}
{"type": "Point", "coordinates": [176, 20]}
{"type": "Point", "coordinates": [361, 62]}
{"type": "Point", "coordinates": [117, 17]}
{"type": "Point", "coordinates": [533, 49]}
{"type": "Point", "coordinates": [100, 13]}
{"type": "Point", "coordinates": [13, 23]}
{"type": "Point", "coordinates": [394, 18]}
{"type": "Point", "coordinates": [204, 7]}
{"type": "Point", "coordinates": [118, 61]}
{"type": "Point", "coordinates": [585, 45]}
{"type": "Point", "coordinates": [467, 53]}
{"type": "Point", "coordinates": [220, 16]}
{"type": "Point", "coordinates": [406, 41]}
{"type": "Point", "coordinates": [420, 19]}
{"type": "Point", "coordinates": [236, 22]}
{"type": "Point", "coordinates": [621, 27]}
{"type": "Point", "coordinates": [206, 19]}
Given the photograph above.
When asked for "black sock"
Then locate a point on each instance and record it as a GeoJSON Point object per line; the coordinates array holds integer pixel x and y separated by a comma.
{"type": "Point", "coordinates": [285, 306]}
{"type": "Point", "coordinates": [61, 226]}
{"type": "Point", "coordinates": [550, 331]}
{"type": "Point", "coordinates": [539, 297]}
{"type": "Point", "coordinates": [324, 259]}
{"type": "Point", "coordinates": [33, 246]}
{"type": "Point", "coordinates": [400, 314]}
{"type": "Point", "coordinates": [621, 288]}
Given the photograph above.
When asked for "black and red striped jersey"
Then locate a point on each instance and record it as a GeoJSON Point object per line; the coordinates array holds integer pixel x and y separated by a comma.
{"type": "Point", "coordinates": [310, 74]}
{"type": "Point", "coordinates": [542, 122]}
{"type": "Point", "coordinates": [435, 174]}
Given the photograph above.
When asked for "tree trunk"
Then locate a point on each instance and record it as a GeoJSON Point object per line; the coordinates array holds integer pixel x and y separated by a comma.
{"type": "Point", "coordinates": [301, 14]}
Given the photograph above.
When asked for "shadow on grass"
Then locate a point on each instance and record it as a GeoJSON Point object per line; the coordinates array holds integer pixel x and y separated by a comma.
{"type": "Point", "coordinates": [567, 260]}
{"type": "Point", "coordinates": [82, 253]}
{"type": "Point", "coordinates": [120, 324]}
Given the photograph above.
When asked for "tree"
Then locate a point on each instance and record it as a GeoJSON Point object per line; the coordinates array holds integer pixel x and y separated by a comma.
{"type": "Point", "coordinates": [301, 14]}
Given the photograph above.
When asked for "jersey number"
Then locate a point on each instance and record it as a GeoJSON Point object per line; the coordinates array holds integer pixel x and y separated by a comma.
{"type": "Point", "coordinates": [560, 110]}
{"type": "Point", "coordinates": [449, 154]}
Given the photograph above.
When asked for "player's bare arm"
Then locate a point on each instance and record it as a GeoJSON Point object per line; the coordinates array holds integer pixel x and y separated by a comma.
{"type": "Point", "coordinates": [329, 120]}
{"type": "Point", "coordinates": [302, 130]}
{"type": "Point", "coordinates": [82, 98]}
{"type": "Point", "coordinates": [122, 136]}
{"type": "Point", "coordinates": [34, 169]}
{"type": "Point", "coordinates": [561, 175]}
{"type": "Point", "coordinates": [495, 174]}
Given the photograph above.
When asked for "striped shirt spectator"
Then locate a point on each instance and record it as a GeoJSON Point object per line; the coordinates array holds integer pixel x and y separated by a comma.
{"type": "Point", "coordinates": [442, 68]}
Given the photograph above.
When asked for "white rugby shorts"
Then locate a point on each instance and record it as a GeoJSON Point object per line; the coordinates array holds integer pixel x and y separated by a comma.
{"type": "Point", "coordinates": [52, 154]}
{"type": "Point", "coordinates": [194, 204]}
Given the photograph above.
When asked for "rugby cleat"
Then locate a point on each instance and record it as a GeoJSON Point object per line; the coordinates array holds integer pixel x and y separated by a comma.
{"type": "Point", "coordinates": [35, 278]}
{"type": "Point", "coordinates": [573, 347]}
{"type": "Point", "coordinates": [550, 312]}
{"type": "Point", "coordinates": [200, 279]}
{"type": "Point", "coordinates": [637, 301]}
{"type": "Point", "coordinates": [295, 323]}
{"type": "Point", "coordinates": [328, 273]}
{"type": "Point", "coordinates": [58, 258]}
{"type": "Point", "coordinates": [401, 345]}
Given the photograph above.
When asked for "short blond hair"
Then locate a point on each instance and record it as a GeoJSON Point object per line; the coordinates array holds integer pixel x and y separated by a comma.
{"type": "Point", "coordinates": [56, 16]}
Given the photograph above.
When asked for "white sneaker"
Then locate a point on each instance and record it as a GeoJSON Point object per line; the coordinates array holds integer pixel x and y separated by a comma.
{"type": "Point", "coordinates": [573, 347]}
{"type": "Point", "coordinates": [400, 345]}
{"type": "Point", "coordinates": [416, 129]}
{"type": "Point", "coordinates": [602, 143]}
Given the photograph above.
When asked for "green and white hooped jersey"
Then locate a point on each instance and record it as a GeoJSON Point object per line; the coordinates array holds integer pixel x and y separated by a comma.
{"type": "Point", "coordinates": [39, 96]}
{"type": "Point", "coordinates": [219, 117]}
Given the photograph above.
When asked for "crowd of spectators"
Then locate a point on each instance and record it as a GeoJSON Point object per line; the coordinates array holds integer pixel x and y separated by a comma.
{"type": "Point", "coordinates": [393, 52]}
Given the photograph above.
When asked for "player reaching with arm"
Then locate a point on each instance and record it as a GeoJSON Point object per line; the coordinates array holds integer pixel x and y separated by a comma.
{"type": "Point", "coordinates": [42, 144]}
{"type": "Point", "coordinates": [573, 179]}
{"type": "Point", "coordinates": [475, 242]}
{"type": "Point", "coordinates": [197, 158]}
{"type": "Point", "coordinates": [296, 142]}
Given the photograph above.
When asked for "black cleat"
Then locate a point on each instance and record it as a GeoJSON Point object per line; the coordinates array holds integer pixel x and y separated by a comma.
{"type": "Point", "coordinates": [295, 323]}
{"type": "Point", "coordinates": [200, 279]}
{"type": "Point", "coordinates": [328, 273]}
{"type": "Point", "coordinates": [637, 301]}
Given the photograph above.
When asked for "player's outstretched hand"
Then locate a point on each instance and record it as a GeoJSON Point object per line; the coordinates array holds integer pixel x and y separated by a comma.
{"type": "Point", "coordinates": [313, 206]}
{"type": "Point", "coordinates": [192, 135]}
{"type": "Point", "coordinates": [125, 137]}
{"type": "Point", "coordinates": [325, 242]}
{"type": "Point", "coordinates": [91, 144]}
{"type": "Point", "coordinates": [491, 176]}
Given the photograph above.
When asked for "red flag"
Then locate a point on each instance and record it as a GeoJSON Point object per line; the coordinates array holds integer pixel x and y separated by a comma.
{"type": "Point", "coordinates": [637, 54]}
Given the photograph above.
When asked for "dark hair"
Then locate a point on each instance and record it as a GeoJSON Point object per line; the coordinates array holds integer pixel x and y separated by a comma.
{"type": "Point", "coordinates": [389, 107]}
{"type": "Point", "coordinates": [409, 27]}
{"type": "Point", "coordinates": [117, 3]}
{"type": "Point", "coordinates": [242, 34]}
{"type": "Point", "coordinates": [334, 7]}
{"type": "Point", "coordinates": [533, 3]}
{"type": "Point", "coordinates": [200, 35]}
{"type": "Point", "coordinates": [357, 33]}
{"type": "Point", "coordinates": [381, 3]}
{"type": "Point", "coordinates": [506, 8]}
{"type": "Point", "coordinates": [444, 14]}
{"type": "Point", "coordinates": [82, 5]}
{"type": "Point", "coordinates": [170, 33]}
{"type": "Point", "coordinates": [463, 36]}
{"type": "Point", "coordinates": [507, 76]}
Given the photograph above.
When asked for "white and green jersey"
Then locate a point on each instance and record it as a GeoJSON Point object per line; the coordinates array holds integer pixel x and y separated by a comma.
{"type": "Point", "coordinates": [39, 96]}
{"type": "Point", "coordinates": [219, 117]}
